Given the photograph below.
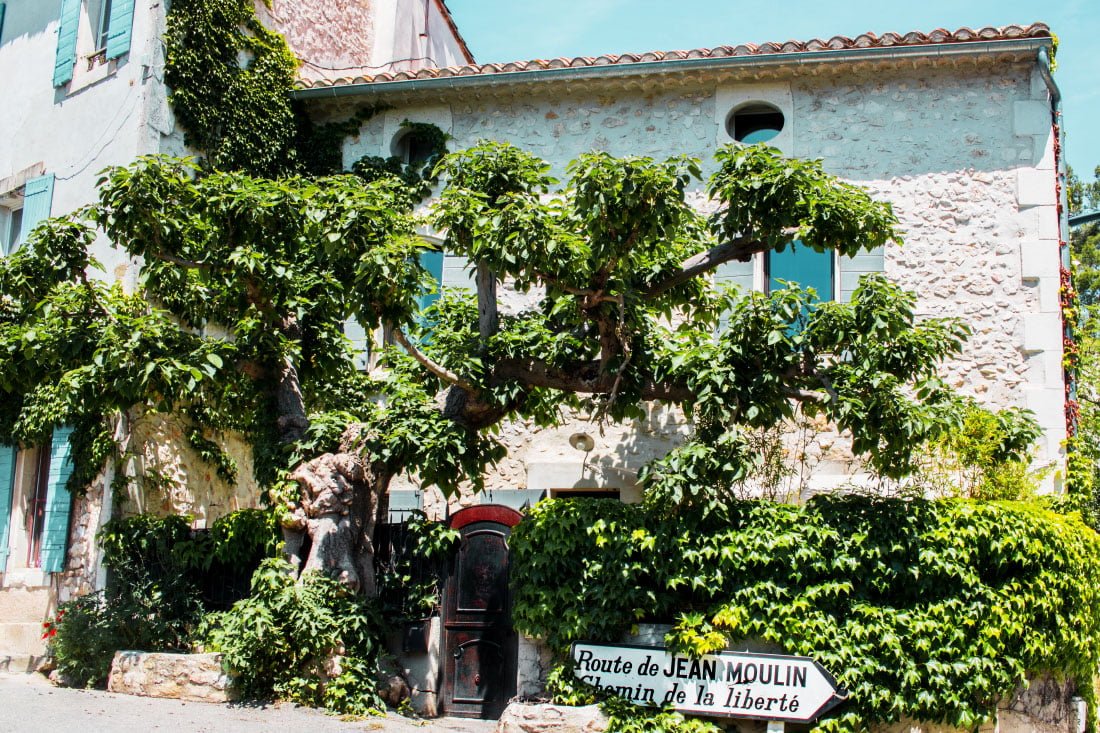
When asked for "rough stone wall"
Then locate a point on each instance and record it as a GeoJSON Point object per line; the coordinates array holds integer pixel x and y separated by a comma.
{"type": "Point", "coordinates": [964, 154]}
{"type": "Point", "coordinates": [169, 477]}
{"type": "Point", "coordinates": [330, 37]}
{"type": "Point", "coordinates": [968, 164]}
{"type": "Point", "coordinates": [82, 559]}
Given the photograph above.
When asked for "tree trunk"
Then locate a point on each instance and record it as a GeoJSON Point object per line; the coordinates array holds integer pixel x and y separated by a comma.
{"type": "Point", "coordinates": [337, 512]}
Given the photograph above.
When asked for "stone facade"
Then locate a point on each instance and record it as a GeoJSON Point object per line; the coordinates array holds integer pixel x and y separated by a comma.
{"type": "Point", "coordinates": [964, 153]}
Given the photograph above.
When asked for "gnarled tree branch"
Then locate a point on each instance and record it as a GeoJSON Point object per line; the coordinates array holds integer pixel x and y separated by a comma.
{"type": "Point", "coordinates": [737, 249]}
{"type": "Point", "coordinates": [437, 369]}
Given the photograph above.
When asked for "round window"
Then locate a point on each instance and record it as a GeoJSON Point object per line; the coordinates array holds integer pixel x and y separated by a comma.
{"type": "Point", "coordinates": [755, 123]}
{"type": "Point", "coordinates": [413, 149]}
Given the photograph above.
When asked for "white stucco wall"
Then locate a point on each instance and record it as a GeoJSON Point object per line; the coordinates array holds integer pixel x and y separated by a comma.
{"type": "Point", "coordinates": [964, 154]}
{"type": "Point", "coordinates": [107, 115]}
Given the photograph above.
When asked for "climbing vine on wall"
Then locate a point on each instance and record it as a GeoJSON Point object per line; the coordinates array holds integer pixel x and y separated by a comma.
{"type": "Point", "coordinates": [931, 610]}
{"type": "Point", "coordinates": [231, 80]}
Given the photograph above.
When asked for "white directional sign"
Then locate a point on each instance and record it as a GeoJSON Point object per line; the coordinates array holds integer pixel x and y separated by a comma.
{"type": "Point", "coordinates": [727, 684]}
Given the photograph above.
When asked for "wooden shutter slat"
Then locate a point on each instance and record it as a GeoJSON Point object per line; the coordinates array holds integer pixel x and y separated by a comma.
{"type": "Point", "coordinates": [67, 30]}
{"type": "Point", "coordinates": [119, 28]}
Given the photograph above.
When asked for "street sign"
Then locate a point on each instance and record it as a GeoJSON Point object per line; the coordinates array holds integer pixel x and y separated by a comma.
{"type": "Point", "coordinates": [727, 684]}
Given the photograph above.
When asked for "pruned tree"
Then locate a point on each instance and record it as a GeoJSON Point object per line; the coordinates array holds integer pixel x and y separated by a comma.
{"type": "Point", "coordinates": [246, 284]}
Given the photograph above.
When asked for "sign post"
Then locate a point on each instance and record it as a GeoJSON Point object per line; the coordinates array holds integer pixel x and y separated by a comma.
{"type": "Point", "coordinates": [770, 687]}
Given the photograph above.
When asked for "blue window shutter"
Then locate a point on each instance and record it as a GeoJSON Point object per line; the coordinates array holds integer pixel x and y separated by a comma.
{"type": "Point", "coordinates": [802, 265]}
{"type": "Point", "coordinates": [2, 8]}
{"type": "Point", "coordinates": [66, 42]}
{"type": "Point", "coordinates": [7, 485]}
{"type": "Point", "coordinates": [37, 204]}
{"type": "Point", "coordinates": [55, 530]}
{"type": "Point", "coordinates": [119, 28]}
{"type": "Point", "coordinates": [433, 263]}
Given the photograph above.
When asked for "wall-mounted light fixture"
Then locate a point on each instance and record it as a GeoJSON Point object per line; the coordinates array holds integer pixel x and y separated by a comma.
{"type": "Point", "coordinates": [582, 442]}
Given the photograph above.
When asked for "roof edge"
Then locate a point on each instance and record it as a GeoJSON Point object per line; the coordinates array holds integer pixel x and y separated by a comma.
{"type": "Point", "coordinates": [792, 59]}
{"type": "Point", "coordinates": [450, 18]}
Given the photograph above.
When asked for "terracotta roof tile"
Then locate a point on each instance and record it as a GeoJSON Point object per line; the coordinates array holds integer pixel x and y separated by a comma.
{"type": "Point", "coordinates": [836, 43]}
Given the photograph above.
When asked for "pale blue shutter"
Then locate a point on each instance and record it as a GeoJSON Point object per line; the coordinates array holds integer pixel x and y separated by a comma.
{"type": "Point", "coordinates": [37, 203]}
{"type": "Point", "coordinates": [457, 273]}
{"type": "Point", "coordinates": [433, 263]}
{"type": "Point", "coordinates": [854, 267]}
{"type": "Point", "coordinates": [55, 530]}
{"type": "Point", "coordinates": [2, 7]}
{"type": "Point", "coordinates": [119, 28]}
{"type": "Point", "coordinates": [66, 42]}
{"type": "Point", "coordinates": [802, 265]}
{"type": "Point", "coordinates": [7, 485]}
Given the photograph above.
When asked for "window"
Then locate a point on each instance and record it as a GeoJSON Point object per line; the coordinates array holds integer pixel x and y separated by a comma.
{"type": "Point", "coordinates": [99, 17]}
{"type": "Point", "coordinates": [413, 149]}
{"type": "Point", "coordinates": [95, 29]}
{"type": "Point", "coordinates": [35, 505]}
{"type": "Point", "coordinates": [801, 265]}
{"type": "Point", "coordinates": [756, 122]}
{"type": "Point", "coordinates": [22, 209]}
{"type": "Point", "coordinates": [11, 222]}
{"type": "Point", "coordinates": [36, 508]}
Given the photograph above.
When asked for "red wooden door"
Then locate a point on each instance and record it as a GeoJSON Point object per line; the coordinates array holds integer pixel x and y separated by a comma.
{"type": "Point", "coordinates": [479, 642]}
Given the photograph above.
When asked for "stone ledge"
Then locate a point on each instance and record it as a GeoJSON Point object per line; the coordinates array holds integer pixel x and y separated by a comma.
{"type": "Point", "coordinates": [544, 718]}
{"type": "Point", "coordinates": [190, 677]}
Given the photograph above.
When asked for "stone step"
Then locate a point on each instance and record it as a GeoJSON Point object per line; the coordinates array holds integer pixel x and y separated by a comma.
{"type": "Point", "coordinates": [21, 640]}
{"type": "Point", "coordinates": [20, 663]}
{"type": "Point", "coordinates": [25, 605]}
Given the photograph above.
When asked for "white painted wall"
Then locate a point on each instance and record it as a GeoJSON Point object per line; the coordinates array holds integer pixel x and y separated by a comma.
{"type": "Point", "coordinates": [106, 116]}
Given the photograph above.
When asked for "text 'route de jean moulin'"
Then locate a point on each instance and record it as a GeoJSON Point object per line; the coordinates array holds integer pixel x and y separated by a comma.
{"type": "Point", "coordinates": [734, 674]}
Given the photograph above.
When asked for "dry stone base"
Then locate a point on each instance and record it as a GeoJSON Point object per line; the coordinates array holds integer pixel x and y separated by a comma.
{"type": "Point", "coordinates": [522, 718]}
{"type": "Point", "coordinates": [190, 677]}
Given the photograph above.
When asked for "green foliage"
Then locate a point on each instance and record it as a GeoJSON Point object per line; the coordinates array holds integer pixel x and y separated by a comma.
{"type": "Point", "coordinates": [320, 147]}
{"type": "Point", "coordinates": [418, 175]}
{"type": "Point", "coordinates": [932, 610]}
{"type": "Point", "coordinates": [279, 640]}
{"type": "Point", "coordinates": [625, 717]}
{"type": "Point", "coordinates": [1081, 195]}
{"type": "Point", "coordinates": [238, 113]}
{"type": "Point", "coordinates": [1085, 250]}
{"type": "Point", "coordinates": [158, 587]}
{"type": "Point", "coordinates": [987, 457]}
{"type": "Point", "coordinates": [764, 194]}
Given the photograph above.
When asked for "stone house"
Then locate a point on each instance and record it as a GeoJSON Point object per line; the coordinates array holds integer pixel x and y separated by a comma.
{"type": "Point", "coordinates": [83, 90]}
{"type": "Point", "coordinates": [958, 130]}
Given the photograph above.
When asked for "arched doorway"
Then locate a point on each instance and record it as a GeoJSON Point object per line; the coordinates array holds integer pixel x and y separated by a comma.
{"type": "Point", "coordinates": [479, 662]}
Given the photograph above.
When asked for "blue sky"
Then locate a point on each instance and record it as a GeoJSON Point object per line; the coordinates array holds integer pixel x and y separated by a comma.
{"type": "Point", "coordinates": [510, 30]}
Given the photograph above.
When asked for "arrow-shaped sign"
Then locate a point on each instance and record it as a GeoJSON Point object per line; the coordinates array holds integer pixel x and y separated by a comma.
{"type": "Point", "coordinates": [727, 684]}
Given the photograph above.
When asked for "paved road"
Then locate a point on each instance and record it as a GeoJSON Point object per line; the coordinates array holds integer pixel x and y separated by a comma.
{"type": "Point", "coordinates": [30, 704]}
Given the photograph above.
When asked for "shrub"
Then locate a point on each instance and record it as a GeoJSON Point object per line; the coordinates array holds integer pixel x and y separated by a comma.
{"type": "Point", "coordinates": [313, 641]}
{"type": "Point", "coordinates": [163, 578]}
{"type": "Point", "coordinates": [932, 610]}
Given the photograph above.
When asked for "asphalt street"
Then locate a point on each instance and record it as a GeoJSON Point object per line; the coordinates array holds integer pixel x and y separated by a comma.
{"type": "Point", "coordinates": [31, 704]}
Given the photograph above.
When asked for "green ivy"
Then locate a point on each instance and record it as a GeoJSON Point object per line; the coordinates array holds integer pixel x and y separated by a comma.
{"type": "Point", "coordinates": [240, 115]}
{"type": "Point", "coordinates": [931, 610]}
{"type": "Point", "coordinates": [279, 641]}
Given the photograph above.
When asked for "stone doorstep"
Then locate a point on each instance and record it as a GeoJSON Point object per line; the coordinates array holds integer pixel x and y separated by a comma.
{"type": "Point", "coordinates": [188, 677]}
{"type": "Point", "coordinates": [546, 718]}
{"type": "Point", "coordinates": [23, 638]}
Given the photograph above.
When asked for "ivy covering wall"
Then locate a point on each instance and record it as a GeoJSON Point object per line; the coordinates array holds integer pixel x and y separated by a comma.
{"type": "Point", "coordinates": [931, 610]}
